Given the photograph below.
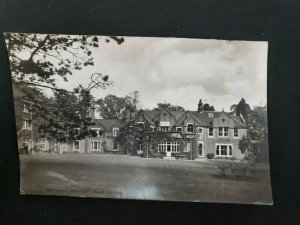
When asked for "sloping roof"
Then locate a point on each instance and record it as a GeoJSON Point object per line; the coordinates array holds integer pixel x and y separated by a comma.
{"type": "Point", "coordinates": [108, 123]}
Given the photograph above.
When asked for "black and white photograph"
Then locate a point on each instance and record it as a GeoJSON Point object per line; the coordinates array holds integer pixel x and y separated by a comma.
{"type": "Point", "coordinates": [145, 118]}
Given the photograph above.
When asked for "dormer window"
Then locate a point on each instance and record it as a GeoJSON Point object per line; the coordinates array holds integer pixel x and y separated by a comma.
{"type": "Point", "coordinates": [164, 126]}
{"type": "Point", "coordinates": [97, 131]}
{"type": "Point", "coordinates": [190, 127]}
{"type": "Point", "coordinates": [210, 115]}
{"type": "Point", "coordinates": [115, 132]}
{"type": "Point", "coordinates": [179, 129]}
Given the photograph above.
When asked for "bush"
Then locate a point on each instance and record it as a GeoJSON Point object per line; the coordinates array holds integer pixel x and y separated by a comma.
{"type": "Point", "coordinates": [237, 170]}
{"type": "Point", "coordinates": [210, 155]}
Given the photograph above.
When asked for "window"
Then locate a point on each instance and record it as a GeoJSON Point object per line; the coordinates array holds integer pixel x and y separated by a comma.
{"type": "Point", "coordinates": [179, 129]}
{"type": "Point", "coordinates": [168, 147]}
{"type": "Point", "coordinates": [115, 132]}
{"type": "Point", "coordinates": [224, 150]}
{"type": "Point", "coordinates": [164, 128]}
{"type": "Point", "coordinates": [200, 130]}
{"type": "Point", "coordinates": [152, 128]}
{"type": "Point", "coordinates": [76, 145]}
{"type": "Point", "coordinates": [27, 125]}
{"type": "Point", "coordinates": [223, 131]}
{"type": "Point", "coordinates": [115, 145]}
{"type": "Point", "coordinates": [188, 147]}
{"type": "Point", "coordinates": [26, 142]}
{"type": "Point", "coordinates": [210, 115]}
{"type": "Point", "coordinates": [140, 123]}
{"type": "Point", "coordinates": [95, 145]}
{"type": "Point", "coordinates": [43, 144]}
{"type": "Point", "coordinates": [152, 147]}
{"type": "Point", "coordinates": [25, 109]}
{"type": "Point", "coordinates": [97, 131]}
{"type": "Point", "coordinates": [210, 132]}
{"type": "Point", "coordinates": [140, 147]}
{"type": "Point", "coordinates": [235, 132]}
{"type": "Point", "coordinates": [200, 148]}
{"type": "Point", "coordinates": [190, 128]}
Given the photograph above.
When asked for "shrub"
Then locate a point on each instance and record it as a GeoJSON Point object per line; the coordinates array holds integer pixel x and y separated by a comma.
{"type": "Point", "coordinates": [210, 155]}
{"type": "Point", "coordinates": [237, 170]}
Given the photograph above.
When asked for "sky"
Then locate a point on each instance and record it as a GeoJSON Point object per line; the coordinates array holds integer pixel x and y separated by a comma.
{"type": "Point", "coordinates": [180, 71]}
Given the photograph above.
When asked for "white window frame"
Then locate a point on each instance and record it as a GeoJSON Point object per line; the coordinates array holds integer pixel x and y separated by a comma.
{"type": "Point", "coordinates": [98, 145]}
{"type": "Point", "coordinates": [227, 150]}
{"type": "Point", "coordinates": [187, 127]}
{"type": "Point", "coordinates": [26, 141]}
{"type": "Point", "coordinates": [201, 142]}
{"type": "Point", "coordinates": [25, 109]}
{"type": "Point", "coordinates": [222, 132]}
{"type": "Point", "coordinates": [152, 128]}
{"type": "Point", "coordinates": [188, 147]}
{"type": "Point", "coordinates": [210, 133]}
{"type": "Point", "coordinates": [200, 128]}
{"type": "Point", "coordinates": [210, 115]}
{"type": "Point", "coordinates": [179, 128]}
{"type": "Point", "coordinates": [74, 145]}
{"type": "Point", "coordinates": [27, 125]}
{"type": "Point", "coordinates": [234, 133]}
{"type": "Point", "coordinates": [97, 131]}
{"type": "Point", "coordinates": [43, 142]}
{"type": "Point", "coordinates": [163, 146]}
{"type": "Point", "coordinates": [164, 128]}
{"type": "Point", "coordinates": [139, 123]}
{"type": "Point", "coordinates": [115, 149]}
{"type": "Point", "coordinates": [115, 132]}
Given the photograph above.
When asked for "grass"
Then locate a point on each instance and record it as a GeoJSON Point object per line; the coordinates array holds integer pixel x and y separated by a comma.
{"type": "Point", "coordinates": [120, 176]}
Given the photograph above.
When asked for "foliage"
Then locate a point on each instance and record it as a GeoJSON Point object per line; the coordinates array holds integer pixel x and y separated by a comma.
{"type": "Point", "coordinates": [111, 106]}
{"type": "Point", "coordinates": [168, 106]}
{"type": "Point", "coordinates": [236, 170]}
{"type": "Point", "coordinates": [205, 106]}
{"type": "Point", "coordinates": [244, 144]}
{"type": "Point", "coordinates": [36, 60]}
{"type": "Point", "coordinates": [210, 155]}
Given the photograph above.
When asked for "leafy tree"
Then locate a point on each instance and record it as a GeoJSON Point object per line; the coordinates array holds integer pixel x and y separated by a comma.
{"type": "Point", "coordinates": [111, 106]}
{"type": "Point", "coordinates": [168, 106]}
{"type": "Point", "coordinates": [37, 59]}
{"type": "Point", "coordinates": [204, 107]}
{"type": "Point", "coordinates": [244, 144]}
{"type": "Point", "coordinates": [132, 101]}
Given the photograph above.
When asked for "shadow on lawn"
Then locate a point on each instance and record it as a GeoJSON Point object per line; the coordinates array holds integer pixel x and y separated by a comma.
{"type": "Point", "coordinates": [240, 178]}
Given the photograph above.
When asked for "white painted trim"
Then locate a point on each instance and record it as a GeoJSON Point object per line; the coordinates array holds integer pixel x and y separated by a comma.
{"type": "Point", "coordinates": [203, 154]}
{"type": "Point", "coordinates": [213, 132]}
{"type": "Point", "coordinates": [115, 135]}
{"type": "Point", "coordinates": [236, 137]}
{"type": "Point", "coordinates": [91, 147]}
{"type": "Point", "coordinates": [229, 156]}
{"type": "Point", "coordinates": [187, 127]}
{"type": "Point", "coordinates": [181, 129]}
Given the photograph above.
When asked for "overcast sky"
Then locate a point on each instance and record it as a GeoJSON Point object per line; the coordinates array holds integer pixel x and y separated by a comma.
{"type": "Point", "coordinates": [181, 71]}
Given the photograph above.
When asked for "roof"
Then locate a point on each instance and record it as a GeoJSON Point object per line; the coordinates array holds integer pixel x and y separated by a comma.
{"type": "Point", "coordinates": [203, 118]}
{"type": "Point", "coordinates": [108, 123]}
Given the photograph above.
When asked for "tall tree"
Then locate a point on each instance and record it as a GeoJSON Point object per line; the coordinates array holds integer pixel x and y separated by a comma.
{"type": "Point", "coordinates": [168, 106]}
{"type": "Point", "coordinates": [205, 106]}
{"type": "Point", "coordinates": [111, 106]}
{"type": "Point", "coordinates": [37, 59]}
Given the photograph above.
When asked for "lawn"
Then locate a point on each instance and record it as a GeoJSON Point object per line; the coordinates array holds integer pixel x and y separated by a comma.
{"type": "Point", "coordinates": [121, 176]}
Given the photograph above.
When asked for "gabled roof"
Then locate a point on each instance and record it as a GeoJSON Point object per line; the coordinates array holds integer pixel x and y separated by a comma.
{"type": "Point", "coordinates": [108, 123]}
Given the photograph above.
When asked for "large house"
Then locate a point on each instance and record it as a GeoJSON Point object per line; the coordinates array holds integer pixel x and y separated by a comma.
{"type": "Point", "coordinates": [189, 134]}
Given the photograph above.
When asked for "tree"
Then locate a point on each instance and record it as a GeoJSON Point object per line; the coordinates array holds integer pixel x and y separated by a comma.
{"type": "Point", "coordinates": [132, 101]}
{"type": "Point", "coordinates": [168, 106]}
{"type": "Point", "coordinates": [111, 106]}
{"type": "Point", "coordinates": [37, 59]}
{"type": "Point", "coordinates": [244, 144]}
{"type": "Point", "coordinates": [204, 107]}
